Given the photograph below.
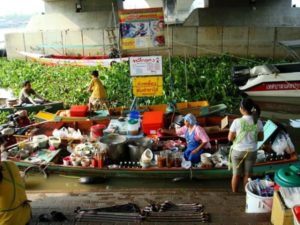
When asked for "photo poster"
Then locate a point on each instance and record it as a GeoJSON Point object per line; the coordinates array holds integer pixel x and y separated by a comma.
{"type": "Point", "coordinates": [142, 28]}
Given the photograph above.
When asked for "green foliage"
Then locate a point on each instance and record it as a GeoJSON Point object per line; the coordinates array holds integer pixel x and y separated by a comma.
{"type": "Point", "coordinates": [3, 117]}
{"type": "Point", "coordinates": [185, 79]}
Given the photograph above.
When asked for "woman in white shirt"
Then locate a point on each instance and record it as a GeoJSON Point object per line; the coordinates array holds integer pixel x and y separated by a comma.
{"type": "Point", "coordinates": [244, 132]}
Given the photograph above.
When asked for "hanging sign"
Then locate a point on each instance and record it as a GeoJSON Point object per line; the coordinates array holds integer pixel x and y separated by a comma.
{"type": "Point", "coordinates": [142, 28]}
{"type": "Point", "coordinates": [146, 66]}
{"type": "Point", "coordinates": [147, 86]}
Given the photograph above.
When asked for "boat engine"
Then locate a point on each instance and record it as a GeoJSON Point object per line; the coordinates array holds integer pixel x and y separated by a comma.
{"type": "Point", "coordinates": [240, 75]}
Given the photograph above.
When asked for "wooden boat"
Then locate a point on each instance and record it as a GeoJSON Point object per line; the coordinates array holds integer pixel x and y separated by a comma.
{"type": "Point", "coordinates": [55, 164]}
{"type": "Point", "coordinates": [277, 80]}
{"type": "Point", "coordinates": [259, 169]}
{"type": "Point", "coordinates": [55, 60]}
{"type": "Point", "coordinates": [181, 107]}
{"type": "Point", "coordinates": [198, 108]}
{"type": "Point", "coordinates": [51, 107]}
{"type": "Point", "coordinates": [277, 104]}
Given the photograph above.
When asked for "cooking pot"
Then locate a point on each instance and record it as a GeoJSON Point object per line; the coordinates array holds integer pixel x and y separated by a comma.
{"type": "Point", "coordinates": [116, 147]}
{"type": "Point", "coordinates": [179, 120]}
{"type": "Point", "coordinates": [137, 147]}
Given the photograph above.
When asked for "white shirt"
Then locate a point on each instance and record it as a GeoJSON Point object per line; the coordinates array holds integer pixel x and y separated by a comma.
{"type": "Point", "coordinates": [249, 141]}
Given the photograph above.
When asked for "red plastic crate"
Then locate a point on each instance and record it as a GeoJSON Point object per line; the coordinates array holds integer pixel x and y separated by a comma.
{"type": "Point", "coordinates": [152, 121]}
{"type": "Point", "coordinates": [79, 110]}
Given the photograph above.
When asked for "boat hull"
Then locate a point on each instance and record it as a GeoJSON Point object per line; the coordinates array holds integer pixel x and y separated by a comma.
{"type": "Point", "coordinates": [50, 107]}
{"type": "Point", "coordinates": [278, 80]}
{"type": "Point", "coordinates": [273, 85]}
{"type": "Point", "coordinates": [53, 61]}
{"type": "Point", "coordinates": [213, 173]}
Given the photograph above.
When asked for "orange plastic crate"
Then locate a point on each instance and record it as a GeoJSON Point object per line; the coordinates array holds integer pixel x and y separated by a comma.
{"type": "Point", "coordinates": [79, 110]}
{"type": "Point", "coordinates": [152, 121]}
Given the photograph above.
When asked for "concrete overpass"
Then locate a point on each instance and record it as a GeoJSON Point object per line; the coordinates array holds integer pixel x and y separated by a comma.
{"type": "Point", "coordinates": [238, 27]}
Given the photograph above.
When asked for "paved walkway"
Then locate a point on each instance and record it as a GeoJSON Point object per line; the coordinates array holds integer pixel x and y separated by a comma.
{"type": "Point", "coordinates": [225, 208]}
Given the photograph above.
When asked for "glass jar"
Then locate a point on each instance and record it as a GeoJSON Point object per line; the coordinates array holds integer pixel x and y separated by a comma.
{"type": "Point", "coordinates": [161, 159]}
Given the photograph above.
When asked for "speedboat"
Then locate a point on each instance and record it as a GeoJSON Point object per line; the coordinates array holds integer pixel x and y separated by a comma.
{"type": "Point", "coordinates": [276, 80]}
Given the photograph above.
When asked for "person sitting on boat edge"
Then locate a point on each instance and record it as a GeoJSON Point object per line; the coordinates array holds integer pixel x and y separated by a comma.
{"type": "Point", "coordinates": [196, 138]}
{"type": "Point", "coordinates": [98, 96]}
{"type": "Point", "coordinates": [244, 132]}
{"type": "Point", "coordinates": [14, 206]}
{"type": "Point", "coordinates": [26, 94]}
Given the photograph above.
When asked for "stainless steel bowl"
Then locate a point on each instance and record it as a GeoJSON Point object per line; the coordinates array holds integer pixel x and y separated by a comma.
{"type": "Point", "coordinates": [116, 147]}
{"type": "Point", "coordinates": [137, 147]}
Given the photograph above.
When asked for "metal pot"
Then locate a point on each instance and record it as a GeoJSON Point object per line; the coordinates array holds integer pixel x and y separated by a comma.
{"type": "Point", "coordinates": [137, 147]}
{"type": "Point", "coordinates": [116, 147]}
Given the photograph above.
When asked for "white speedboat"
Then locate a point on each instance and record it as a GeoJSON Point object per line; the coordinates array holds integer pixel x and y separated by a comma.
{"type": "Point", "coordinates": [276, 80]}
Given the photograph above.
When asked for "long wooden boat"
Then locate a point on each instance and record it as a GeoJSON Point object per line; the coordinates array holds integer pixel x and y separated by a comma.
{"type": "Point", "coordinates": [50, 107]}
{"type": "Point", "coordinates": [55, 60]}
{"type": "Point", "coordinates": [259, 169]}
{"type": "Point", "coordinates": [198, 108]}
{"type": "Point", "coordinates": [56, 166]}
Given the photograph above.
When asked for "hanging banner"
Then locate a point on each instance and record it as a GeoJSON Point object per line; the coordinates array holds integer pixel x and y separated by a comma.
{"type": "Point", "coordinates": [142, 28]}
{"type": "Point", "coordinates": [145, 66]}
{"type": "Point", "coordinates": [147, 86]}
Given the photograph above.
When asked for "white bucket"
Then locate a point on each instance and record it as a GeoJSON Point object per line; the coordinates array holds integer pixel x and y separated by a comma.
{"type": "Point", "coordinates": [256, 203]}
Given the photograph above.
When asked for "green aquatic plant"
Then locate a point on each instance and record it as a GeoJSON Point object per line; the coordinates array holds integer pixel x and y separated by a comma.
{"type": "Point", "coordinates": [185, 79]}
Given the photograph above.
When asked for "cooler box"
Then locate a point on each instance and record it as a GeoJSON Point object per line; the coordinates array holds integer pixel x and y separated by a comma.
{"type": "Point", "coordinates": [152, 121]}
{"type": "Point", "coordinates": [79, 110]}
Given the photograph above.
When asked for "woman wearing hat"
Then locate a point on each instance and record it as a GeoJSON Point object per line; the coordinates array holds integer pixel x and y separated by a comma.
{"type": "Point", "coordinates": [196, 137]}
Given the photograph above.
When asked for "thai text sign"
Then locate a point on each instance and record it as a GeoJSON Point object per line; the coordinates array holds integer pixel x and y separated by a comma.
{"type": "Point", "coordinates": [146, 66]}
{"type": "Point", "coordinates": [148, 86]}
{"type": "Point", "coordinates": [142, 28]}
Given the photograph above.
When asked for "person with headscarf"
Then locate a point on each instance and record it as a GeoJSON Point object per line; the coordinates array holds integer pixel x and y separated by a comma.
{"type": "Point", "coordinates": [196, 138]}
{"type": "Point", "coordinates": [244, 132]}
{"type": "Point", "coordinates": [14, 206]}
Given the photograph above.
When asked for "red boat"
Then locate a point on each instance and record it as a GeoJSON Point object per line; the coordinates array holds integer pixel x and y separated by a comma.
{"type": "Point", "coordinates": [55, 60]}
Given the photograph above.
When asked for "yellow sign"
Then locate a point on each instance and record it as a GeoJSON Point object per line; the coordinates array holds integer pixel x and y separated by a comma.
{"type": "Point", "coordinates": [148, 86]}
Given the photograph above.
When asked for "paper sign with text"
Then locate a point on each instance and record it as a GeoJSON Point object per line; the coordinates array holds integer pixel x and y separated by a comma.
{"type": "Point", "coordinates": [148, 86]}
{"type": "Point", "coordinates": [146, 66]}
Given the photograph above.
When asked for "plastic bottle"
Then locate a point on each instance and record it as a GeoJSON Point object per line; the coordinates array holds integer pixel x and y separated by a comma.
{"type": "Point", "coordinates": [252, 186]}
{"type": "Point", "coordinates": [258, 187]}
{"type": "Point", "coordinates": [269, 181]}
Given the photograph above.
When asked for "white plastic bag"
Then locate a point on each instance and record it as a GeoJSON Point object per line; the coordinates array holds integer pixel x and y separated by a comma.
{"type": "Point", "coordinates": [280, 144]}
{"type": "Point", "coordinates": [290, 146]}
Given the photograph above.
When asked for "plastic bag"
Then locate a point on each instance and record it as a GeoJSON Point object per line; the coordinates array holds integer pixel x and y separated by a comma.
{"type": "Point", "coordinates": [290, 146]}
{"type": "Point", "coordinates": [280, 144]}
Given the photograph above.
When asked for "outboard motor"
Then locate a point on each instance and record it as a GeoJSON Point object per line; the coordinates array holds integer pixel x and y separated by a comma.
{"type": "Point", "coordinates": [240, 75]}
{"type": "Point", "coordinates": [19, 119]}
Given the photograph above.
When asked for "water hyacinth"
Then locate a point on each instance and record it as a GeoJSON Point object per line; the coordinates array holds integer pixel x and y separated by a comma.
{"type": "Point", "coordinates": [185, 79]}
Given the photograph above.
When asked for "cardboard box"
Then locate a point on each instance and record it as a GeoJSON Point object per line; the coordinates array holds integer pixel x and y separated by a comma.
{"type": "Point", "coordinates": [281, 215]}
